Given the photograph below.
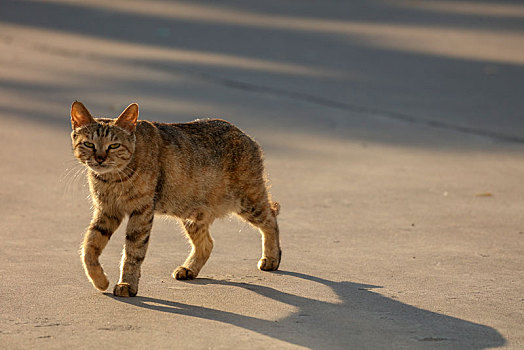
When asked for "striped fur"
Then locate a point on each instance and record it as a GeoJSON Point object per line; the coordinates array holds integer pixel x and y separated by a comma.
{"type": "Point", "coordinates": [195, 172]}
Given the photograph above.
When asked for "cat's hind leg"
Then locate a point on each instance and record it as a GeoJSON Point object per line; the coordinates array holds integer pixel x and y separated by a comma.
{"type": "Point", "coordinates": [262, 214]}
{"type": "Point", "coordinates": [197, 231]}
{"type": "Point", "coordinates": [100, 230]}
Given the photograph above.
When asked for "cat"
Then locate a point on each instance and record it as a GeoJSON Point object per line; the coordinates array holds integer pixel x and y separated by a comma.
{"type": "Point", "coordinates": [195, 172]}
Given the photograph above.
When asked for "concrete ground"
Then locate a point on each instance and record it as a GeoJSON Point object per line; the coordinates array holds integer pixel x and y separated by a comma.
{"type": "Point", "coordinates": [394, 139]}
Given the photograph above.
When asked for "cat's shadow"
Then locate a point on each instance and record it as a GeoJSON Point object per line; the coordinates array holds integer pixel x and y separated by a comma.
{"type": "Point", "coordinates": [362, 319]}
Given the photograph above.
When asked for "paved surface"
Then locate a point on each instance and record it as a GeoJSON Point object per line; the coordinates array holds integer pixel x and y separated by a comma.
{"type": "Point", "coordinates": [393, 133]}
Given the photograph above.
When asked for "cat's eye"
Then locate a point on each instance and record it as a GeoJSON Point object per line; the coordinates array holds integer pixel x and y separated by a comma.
{"type": "Point", "coordinates": [89, 144]}
{"type": "Point", "coordinates": [114, 146]}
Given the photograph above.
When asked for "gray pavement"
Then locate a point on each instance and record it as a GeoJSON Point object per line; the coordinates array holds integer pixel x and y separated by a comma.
{"type": "Point", "coordinates": [393, 133]}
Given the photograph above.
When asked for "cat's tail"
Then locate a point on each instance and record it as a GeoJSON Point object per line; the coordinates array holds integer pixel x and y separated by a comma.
{"type": "Point", "coordinates": [275, 208]}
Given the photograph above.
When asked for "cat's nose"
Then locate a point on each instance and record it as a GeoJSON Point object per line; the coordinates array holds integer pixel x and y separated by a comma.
{"type": "Point", "coordinates": [100, 158]}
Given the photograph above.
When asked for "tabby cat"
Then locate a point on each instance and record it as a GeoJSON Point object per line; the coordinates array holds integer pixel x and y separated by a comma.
{"type": "Point", "coordinates": [195, 172]}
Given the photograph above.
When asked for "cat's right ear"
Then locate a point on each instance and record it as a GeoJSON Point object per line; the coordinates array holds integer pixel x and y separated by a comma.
{"type": "Point", "coordinates": [80, 116]}
{"type": "Point", "coordinates": [127, 120]}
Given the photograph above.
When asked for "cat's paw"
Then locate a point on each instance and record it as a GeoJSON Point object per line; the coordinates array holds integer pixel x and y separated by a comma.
{"type": "Point", "coordinates": [101, 282]}
{"type": "Point", "coordinates": [268, 264]}
{"type": "Point", "coordinates": [125, 290]}
{"type": "Point", "coordinates": [183, 273]}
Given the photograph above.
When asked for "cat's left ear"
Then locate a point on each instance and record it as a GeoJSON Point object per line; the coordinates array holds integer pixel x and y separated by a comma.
{"type": "Point", "coordinates": [80, 116]}
{"type": "Point", "coordinates": [127, 120]}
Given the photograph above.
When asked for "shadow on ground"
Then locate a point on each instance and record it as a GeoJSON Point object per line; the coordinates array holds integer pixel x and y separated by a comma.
{"type": "Point", "coordinates": [362, 318]}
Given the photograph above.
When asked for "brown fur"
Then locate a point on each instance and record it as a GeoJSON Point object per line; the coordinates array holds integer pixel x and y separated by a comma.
{"type": "Point", "coordinates": [195, 172]}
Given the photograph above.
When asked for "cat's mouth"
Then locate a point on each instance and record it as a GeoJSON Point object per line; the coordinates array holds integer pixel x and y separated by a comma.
{"type": "Point", "coordinates": [100, 168]}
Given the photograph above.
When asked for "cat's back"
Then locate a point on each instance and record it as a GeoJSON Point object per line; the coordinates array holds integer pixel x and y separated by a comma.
{"type": "Point", "coordinates": [200, 129]}
{"type": "Point", "coordinates": [210, 137]}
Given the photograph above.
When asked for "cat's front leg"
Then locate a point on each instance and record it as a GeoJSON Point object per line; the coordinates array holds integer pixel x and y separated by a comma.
{"type": "Point", "coordinates": [98, 234]}
{"type": "Point", "coordinates": [137, 239]}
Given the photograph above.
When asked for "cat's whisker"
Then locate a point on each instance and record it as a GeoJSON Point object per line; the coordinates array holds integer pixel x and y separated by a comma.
{"type": "Point", "coordinates": [68, 171]}
{"type": "Point", "coordinates": [80, 174]}
{"type": "Point", "coordinates": [70, 177]}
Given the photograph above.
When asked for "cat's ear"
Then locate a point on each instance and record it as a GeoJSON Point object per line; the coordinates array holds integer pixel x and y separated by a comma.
{"type": "Point", "coordinates": [80, 116]}
{"type": "Point", "coordinates": [127, 120]}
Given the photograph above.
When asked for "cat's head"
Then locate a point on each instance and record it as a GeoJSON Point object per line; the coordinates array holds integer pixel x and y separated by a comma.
{"type": "Point", "coordinates": [103, 145]}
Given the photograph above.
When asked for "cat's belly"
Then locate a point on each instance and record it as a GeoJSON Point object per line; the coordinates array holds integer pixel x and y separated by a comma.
{"type": "Point", "coordinates": [211, 206]}
{"type": "Point", "coordinates": [186, 195]}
